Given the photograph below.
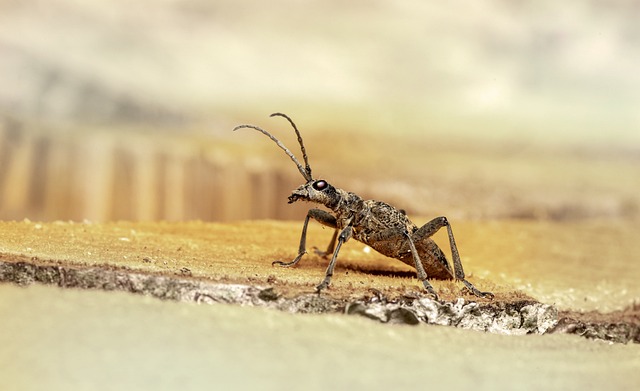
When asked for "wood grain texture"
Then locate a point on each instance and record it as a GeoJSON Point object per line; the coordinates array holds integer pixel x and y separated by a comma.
{"type": "Point", "coordinates": [574, 266]}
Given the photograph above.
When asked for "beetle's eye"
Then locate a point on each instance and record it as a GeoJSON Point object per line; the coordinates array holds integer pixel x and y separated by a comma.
{"type": "Point", "coordinates": [320, 185]}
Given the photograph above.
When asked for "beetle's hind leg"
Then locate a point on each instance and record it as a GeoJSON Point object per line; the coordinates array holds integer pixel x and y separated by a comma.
{"type": "Point", "coordinates": [324, 218]}
{"type": "Point", "coordinates": [431, 228]}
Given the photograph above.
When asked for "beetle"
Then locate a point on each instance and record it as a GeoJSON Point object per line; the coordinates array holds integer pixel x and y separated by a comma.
{"type": "Point", "coordinates": [377, 224]}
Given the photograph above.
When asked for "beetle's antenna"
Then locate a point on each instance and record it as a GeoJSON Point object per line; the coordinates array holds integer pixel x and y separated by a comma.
{"type": "Point", "coordinates": [307, 167]}
{"type": "Point", "coordinates": [306, 173]}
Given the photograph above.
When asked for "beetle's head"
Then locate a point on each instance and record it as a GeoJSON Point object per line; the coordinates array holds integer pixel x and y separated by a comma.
{"type": "Point", "coordinates": [318, 191]}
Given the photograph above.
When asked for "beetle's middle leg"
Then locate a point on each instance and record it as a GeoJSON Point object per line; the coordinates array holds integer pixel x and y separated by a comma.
{"type": "Point", "coordinates": [422, 274]}
{"type": "Point", "coordinates": [393, 240]}
{"type": "Point", "coordinates": [431, 228]}
{"type": "Point", "coordinates": [344, 236]}
{"type": "Point", "coordinates": [324, 218]}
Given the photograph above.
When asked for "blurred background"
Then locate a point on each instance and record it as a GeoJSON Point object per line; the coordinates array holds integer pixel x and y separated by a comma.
{"type": "Point", "coordinates": [488, 109]}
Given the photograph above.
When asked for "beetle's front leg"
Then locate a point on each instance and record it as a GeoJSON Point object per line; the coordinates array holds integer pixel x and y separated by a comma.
{"type": "Point", "coordinates": [344, 236]}
{"type": "Point", "coordinates": [324, 218]}
{"type": "Point", "coordinates": [330, 248]}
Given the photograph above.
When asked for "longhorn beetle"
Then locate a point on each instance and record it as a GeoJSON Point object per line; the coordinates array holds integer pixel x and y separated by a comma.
{"type": "Point", "coordinates": [374, 223]}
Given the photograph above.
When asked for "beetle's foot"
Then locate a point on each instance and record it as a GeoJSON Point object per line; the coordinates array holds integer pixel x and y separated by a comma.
{"type": "Point", "coordinates": [488, 295]}
{"type": "Point", "coordinates": [289, 264]}
{"type": "Point", "coordinates": [320, 253]}
{"type": "Point", "coordinates": [323, 285]}
{"type": "Point", "coordinates": [283, 264]}
{"type": "Point", "coordinates": [430, 290]}
{"type": "Point", "coordinates": [476, 292]}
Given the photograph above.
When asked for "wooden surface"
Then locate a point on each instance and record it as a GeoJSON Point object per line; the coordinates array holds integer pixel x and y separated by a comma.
{"type": "Point", "coordinates": [577, 266]}
{"type": "Point", "coordinates": [88, 339]}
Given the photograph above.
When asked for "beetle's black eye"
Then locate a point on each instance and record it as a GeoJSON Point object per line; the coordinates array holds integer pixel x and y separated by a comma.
{"type": "Point", "coordinates": [320, 185]}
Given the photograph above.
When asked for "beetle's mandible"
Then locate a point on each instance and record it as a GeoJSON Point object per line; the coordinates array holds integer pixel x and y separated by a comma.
{"type": "Point", "coordinates": [374, 223]}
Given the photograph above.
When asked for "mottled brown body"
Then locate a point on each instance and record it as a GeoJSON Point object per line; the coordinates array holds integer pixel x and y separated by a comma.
{"type": "Point", "coordinates": [379, 225]}
{"type": "Point", "coordinates": [372, 219]}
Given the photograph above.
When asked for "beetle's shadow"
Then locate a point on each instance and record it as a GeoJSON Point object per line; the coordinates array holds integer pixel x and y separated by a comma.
{"type": "Point", "coordinates": [382, 272]}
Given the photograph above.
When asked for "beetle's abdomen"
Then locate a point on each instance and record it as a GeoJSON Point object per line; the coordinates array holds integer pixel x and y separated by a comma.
{"type": "Point", "coordinates": [433, 259]}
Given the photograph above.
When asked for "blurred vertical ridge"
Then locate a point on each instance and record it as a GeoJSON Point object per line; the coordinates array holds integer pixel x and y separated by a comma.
{"type": "Point", "coordinates": [103, 176]}
{"type": "Point", "coordinates": [51, 173]}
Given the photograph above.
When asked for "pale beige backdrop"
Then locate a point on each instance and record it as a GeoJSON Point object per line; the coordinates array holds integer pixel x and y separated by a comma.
{"type": "Point", "coordinates": [113, 110]}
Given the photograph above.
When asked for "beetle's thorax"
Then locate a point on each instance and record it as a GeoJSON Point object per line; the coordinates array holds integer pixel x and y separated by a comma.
{"type": "Point", "coordinates": [348, 203]}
